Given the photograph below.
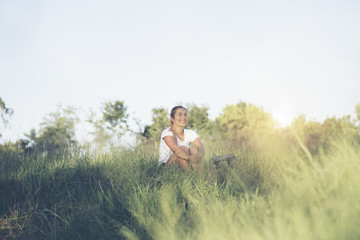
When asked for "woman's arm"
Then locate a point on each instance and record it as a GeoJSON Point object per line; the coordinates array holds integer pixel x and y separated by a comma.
{"type": "Point", "coordinates": [170, 141]}
{"type": "Point", "coordinates": [200, 150]}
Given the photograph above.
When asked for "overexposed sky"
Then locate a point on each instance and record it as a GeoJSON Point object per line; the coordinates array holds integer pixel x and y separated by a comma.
{"type": "Point", "coordinates": [289, 57]}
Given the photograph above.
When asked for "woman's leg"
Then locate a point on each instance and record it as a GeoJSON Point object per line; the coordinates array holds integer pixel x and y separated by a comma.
{"type": "Point", "coordinates": [171, 160]}
{"type": "Point", "coordinates": [199, 164]}
{"type": "Point", "coordinates": [183, 162]}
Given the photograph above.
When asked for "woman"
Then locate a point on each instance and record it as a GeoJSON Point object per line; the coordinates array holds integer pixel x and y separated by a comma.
{"type": "Point", "coordinates": [180, 145]}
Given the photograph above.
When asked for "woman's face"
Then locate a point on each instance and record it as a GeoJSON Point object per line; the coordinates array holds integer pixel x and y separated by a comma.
{"type": "Point", "coordinates": [181, 118]}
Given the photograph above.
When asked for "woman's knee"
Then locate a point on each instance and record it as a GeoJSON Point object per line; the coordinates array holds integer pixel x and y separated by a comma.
{"type": "Point", "coordinates": [194, 150]}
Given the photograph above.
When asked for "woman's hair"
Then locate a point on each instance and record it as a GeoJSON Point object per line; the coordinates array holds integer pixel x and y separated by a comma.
{"type": "Point", "coordinates": [173, 111]}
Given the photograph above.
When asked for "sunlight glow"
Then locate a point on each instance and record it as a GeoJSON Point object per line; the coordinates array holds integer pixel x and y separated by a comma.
{"type": "Point", "coordinates": [283, 119]}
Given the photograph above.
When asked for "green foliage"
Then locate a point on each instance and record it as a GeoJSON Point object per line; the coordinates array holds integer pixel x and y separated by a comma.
{"type": "Point", "coordinates": [243, 122]}
{"type": "Point", "coordinates": [300, 182]}
{"type": "Point", "coordinates": [199, 119]}
{"type": "Point", "coordinates": [357, 111]}
{"type": "Point", "coordinates": [112, 124]}
{"type": "Point", "coordinates": [317, 136]}
{"type": "Point", "coordinates": [56, 134]}
{"type": "Point", "coordinates": [266, 194]}
{"type": "Point", "coordinates": [160, 120]}
{"type": "Point", "coordinates": [5, 113]}
{"type": "Point", "coordinates": [114, 113]}
{"type": "Point", "coordinates": [101, 133]}
{"type": "Point", "coordinates": [310, 133]}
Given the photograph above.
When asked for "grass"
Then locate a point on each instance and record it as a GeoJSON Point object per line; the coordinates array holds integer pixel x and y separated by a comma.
{"type": "Point", "coordinates": [271, 192]}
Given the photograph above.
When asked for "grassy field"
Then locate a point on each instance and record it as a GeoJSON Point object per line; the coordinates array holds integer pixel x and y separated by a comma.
{"type": "Point", "coordinates": [271, 192]}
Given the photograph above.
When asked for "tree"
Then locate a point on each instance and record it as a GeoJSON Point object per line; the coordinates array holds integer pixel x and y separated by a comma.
{"type": "Point", "coordinates": [56, 134]}
{"type": "Point", "coordinates": [314, 136]}
{"type": "Point", "coordinates": [112, 124]}
{"type": "Point", "coordinates": [357, 111]}
{"type": "Point", "coordinates": [243, 121]}
{"type": "Point", "coordinates": [297, 128]}
{"type": "Point", "coordinates": [5, 113]}
{"type": "Point", "coordinates": [160, 120]}
{"type": "Point", "coordinates": [101, 133]}
{"type": "Point", "coordinates": [199, 119]}
{"type": "Point", "coordinates": [319, 136]}
{"type": "Point", "coordinates": [114, 113]}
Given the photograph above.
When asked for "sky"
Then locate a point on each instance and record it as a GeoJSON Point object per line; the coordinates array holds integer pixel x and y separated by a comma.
{"type": "Point", "coordinates": [287, 57]}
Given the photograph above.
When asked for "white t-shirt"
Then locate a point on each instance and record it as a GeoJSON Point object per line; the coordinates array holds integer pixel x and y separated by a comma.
{"type": "Point", "coordinates": [165, 152]}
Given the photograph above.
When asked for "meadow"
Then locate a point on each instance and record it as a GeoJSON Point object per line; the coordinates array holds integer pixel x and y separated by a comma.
{"type": "Point", "coordinates": [273, 191]}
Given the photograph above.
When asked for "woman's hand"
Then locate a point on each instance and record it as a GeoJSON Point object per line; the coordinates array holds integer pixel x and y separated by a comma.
{"type": "Point", "coordinates": [196, 151]}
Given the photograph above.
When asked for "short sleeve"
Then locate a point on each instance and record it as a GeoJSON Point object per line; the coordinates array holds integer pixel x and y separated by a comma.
{"type": "Point", "coordinates": [192, 135]}
{"type": "Point", "coordinates": [166, 132]}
